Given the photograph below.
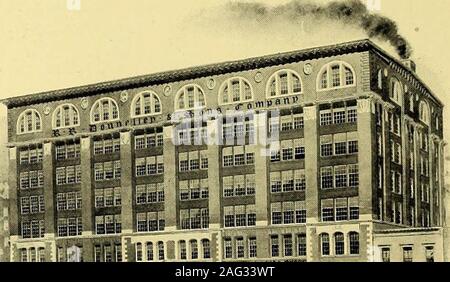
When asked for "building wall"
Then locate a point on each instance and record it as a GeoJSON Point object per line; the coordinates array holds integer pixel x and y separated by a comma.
{"type": "Point", "coordinates": [365, 97]}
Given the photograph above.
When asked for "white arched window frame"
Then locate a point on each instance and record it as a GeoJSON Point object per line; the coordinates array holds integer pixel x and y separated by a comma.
{"type": "Point", "coordinates": [424, 113]}
{"type": "Point", "coordinates": [29, 121]}
{"type": "Point", "coordinates": [396, 91]}
{"type": "Point", "coordinates": [283, 83]}
{"type": "Point", "coordinates": [146, 103]}
{"type": "Point", "coordinates": [335, 75]}
{"type": "Point", "coordinates": [235, 90]}
{"type": "Point", "coordinates": [104, 109]}
{"type": "Point", "coordinates": [65, 115]}
{"type": "Point", "coordinates": [190, 97]}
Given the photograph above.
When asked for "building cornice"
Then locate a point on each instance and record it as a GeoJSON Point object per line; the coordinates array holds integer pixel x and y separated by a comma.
{"type": "Point", "coordinates": [208, 70]}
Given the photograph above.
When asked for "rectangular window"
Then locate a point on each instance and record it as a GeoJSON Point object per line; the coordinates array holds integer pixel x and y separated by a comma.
{"type": "Point", "coordinates": [228, 248]}
{"type": "Point", "coordinates": [407, 254]}
{"type": "Point", "coordinates": [252, 247]}
{"type": "Point", "coordinates": [301, 244]}
{"type": "Point", "coordinates": [274, 246]}
{"type": "Point", "coordinates": [287, 245]}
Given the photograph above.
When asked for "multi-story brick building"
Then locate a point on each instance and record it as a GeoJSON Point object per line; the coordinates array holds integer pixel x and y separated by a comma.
{"type": "Point", "coordinates": [107, 172]}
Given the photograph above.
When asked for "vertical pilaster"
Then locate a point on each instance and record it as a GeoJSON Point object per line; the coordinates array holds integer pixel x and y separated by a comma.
{"type": "Point", "coordinates": [214, 178]}
{"type": "Point", "coordinates": [13, 189]}
{"type": "Point", "coordinates": [49, 190]}
{"type": "Point", "coordinates": [170, 180]}
{"type": "Point", "coordinates": [312, 169]}
{"type": "Point", "coordinates": [261, 171]}
{"type": "Point", "coordinates": [126, 181]}
{"type": "Point", "coordinates": [366, 143]}
{"type": "Point", "coordinates": [417, 197]}
{"type": "Point", "coordinates": [86, 188]}
{"type": "Point", "coordinates": [386, 164]}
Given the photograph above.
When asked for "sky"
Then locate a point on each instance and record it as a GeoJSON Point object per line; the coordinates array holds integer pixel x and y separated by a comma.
{"type": "Point", "coordinates": [48, 45]}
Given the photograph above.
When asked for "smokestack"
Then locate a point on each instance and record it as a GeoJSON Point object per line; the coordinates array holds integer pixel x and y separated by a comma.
{"type": "Point", "coordinates": [409, 64]}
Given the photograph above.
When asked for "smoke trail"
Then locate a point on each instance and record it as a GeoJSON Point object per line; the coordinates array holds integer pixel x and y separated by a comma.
{"type": "Point", "coordinates": [348, 12]}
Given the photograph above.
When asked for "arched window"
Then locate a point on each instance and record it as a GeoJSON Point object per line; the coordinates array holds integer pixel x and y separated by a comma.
{"type": "Point", "coordinates": [29, 121]}
{"type": "Point", "coordinates": [190, 97]}
{"type": "Point", "coordinates": [145, 103]}
{"type": "Point", "coordinates": [424, 112]}
{"type": "Point", "coordinates": [65, 116]}
{"type": "Point", "coordinates": [149, 251]}
{"type": "Point", "coordinates": [282, 83]}
{"type": "Point", "coordinates": [339, 247]}
{"type": "Point", "coordinates": [380, 79]}
{"type": "Point", "coordinates": [161, 253]}
{"type": "Point", "coordinates": [182, 248]}
{"type": "Point", "coordinates": [396, 92]}
{"type": "Point", "coordinates": [105, 109]}
{"type": "Point", "coordinates": [194, 249]}
{"type": "Point", "coordinates": [234, 90]}
{"type": "Point", "coordinates": [353, 238]}
{"type": "Point", "coordinates": [325, 244]}
{"type": "Point", "coordinates": [336, 75]}
{"type": "Point", "coordinates": [138, 251]}
{"type": "Point", "coordinates": [206, 245]}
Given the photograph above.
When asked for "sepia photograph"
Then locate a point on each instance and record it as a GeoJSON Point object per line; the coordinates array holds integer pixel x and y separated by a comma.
{"type": "Point", "coordinates": [214, 131]}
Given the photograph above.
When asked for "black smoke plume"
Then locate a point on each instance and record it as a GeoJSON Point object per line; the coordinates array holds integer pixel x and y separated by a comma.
{"type": "Point", "coordinates": [349, 12]}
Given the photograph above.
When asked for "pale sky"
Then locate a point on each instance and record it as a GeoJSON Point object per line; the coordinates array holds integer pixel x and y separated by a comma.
{"type": "Point", "coordinates": [46, 46]}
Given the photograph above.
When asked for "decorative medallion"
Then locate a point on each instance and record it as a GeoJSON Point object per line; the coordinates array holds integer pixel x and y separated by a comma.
{"type": "Point", "coordinates": [84, 103]}
{"type": "Point", "coordinates": [385, 72]}
{"type": "Point", "coordinates": [124, 96]}
{"type": "Point", "coordinates": [258, 77]}
{"type": "Point", "coordinates": [167, 90]}
{"type": "Point", "coordinates": [211, 83]}
{"type": "Point", "coordinates": [47, 110]}
{"type": "Point", "coordinates": [307, 69]}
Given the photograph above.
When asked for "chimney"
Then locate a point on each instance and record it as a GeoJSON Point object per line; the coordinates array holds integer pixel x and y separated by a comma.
{"type": "Point", "coordinates": [409, 64]}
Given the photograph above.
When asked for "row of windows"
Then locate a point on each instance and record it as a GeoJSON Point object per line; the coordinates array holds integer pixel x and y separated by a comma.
{"type": "Point", "coordinates": [340, 209]}
{"type": "Point", "coordinates": [339, 144]}
{"type": "Point", "coordinates": [31, 179]}
{"type": "Point", "coordinates": [238, 156]}
{"type": "Point", "coordinates": [32, 205]}
{"type": "Point", "coordinates": [192, 136]}
{"type": "Point", "coordinates": [67, 151]}
{"type": "Point", "coordinates": [108, 253]}
{"type": "Point", "coordinates": [287, 122]}
{"type": "Point", "coordinates": [288, 245]}
{"type": "Point", "coordinates": [194, 189]}
{"type": "Point", "coordinates": [108, 224]}
{"type": "Point", "coordinates": [233, 90]}
{"type": "Point", "coordinates": [239, 216]}
{"type": "Point", "coordinates": [194, 218]}
{"type": "Point", "coordinates": [238, 129]}
{"type": "Point", "coordinates": [150, 165]}
{"type": "Point", "coordinates": [339, 244]}
{"type": "Point", "coordinates": [287, 181]}
{"type": "Point", "coordinates": [148, 140]}
{"type": "Point", "coordinates": [69, 226]}
{"type": "Point", "coordinates": [108, 197]}
{"type": "Point", "coordinates": [68, 175]}
{"type": "Point", "coordinates": [407, 252]}
{"type": "Point", "coordinates": [31, 155]}
{"type": "Point", "coordinates": [238, 185]}
{"type": "Point", "coordinates": [287, 150]}
{"type": "Point", "coordinates": [149, 193]}
{"type": "Point", "coordinates": [107, 170]}
{"type": "Point", "coordinates": [150, 221]}
{"type": "Point", "coordinates": [193, 160]}
{"type": "Point", "coordinates": [32, 254]}
{"type": "Point", "coordinates": [33, 229]}
{"type": "Point", "coordinates": [68, 201]}
{"type": "Point", "coordinates": [341, 176]}
{"type": "Point", "coordinates": [190, 250]}
{"type": "Point", "coordinates": [236, 248]}
{"type": "Point", "coordinates": [288, 212]}
{"type": "Point", "coordinates": [338, 116]}
{"type": "Point", "coordinates": [107, 146]}
{"type": "Point", "coordinates": [150, 252]}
